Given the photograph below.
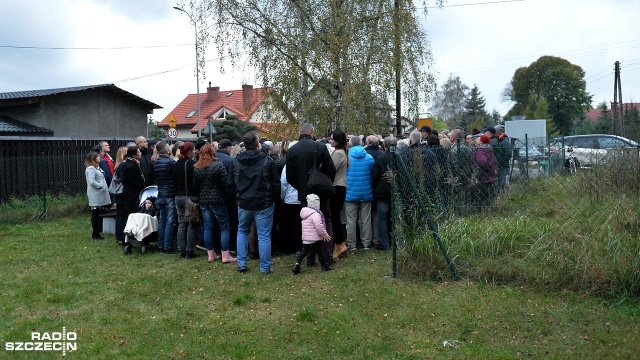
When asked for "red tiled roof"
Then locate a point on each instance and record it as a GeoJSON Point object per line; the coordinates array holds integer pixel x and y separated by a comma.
{"type": "Point", "coordinates": [231, 100]}
{"type": "Point", "coordinates": [594, 114]}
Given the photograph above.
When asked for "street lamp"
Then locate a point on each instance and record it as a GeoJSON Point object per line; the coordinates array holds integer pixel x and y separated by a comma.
{"type": "Point", "coordinates": [195, 29]}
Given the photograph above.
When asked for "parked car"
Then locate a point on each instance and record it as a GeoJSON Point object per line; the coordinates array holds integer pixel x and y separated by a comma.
{"type": "Point", "coordinates": [591, 150]}
{"type": "Point", "coordinates": [531, 153]}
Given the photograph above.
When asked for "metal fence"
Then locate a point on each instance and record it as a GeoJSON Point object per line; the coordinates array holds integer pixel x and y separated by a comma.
{"type": "Point", "coordinates": [47, 166]}
{"type": "Point", "coordinates": [435, 187]}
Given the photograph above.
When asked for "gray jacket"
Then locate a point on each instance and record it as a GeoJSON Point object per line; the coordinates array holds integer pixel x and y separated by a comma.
{"type": "Point", "coordinates": [96, 187]}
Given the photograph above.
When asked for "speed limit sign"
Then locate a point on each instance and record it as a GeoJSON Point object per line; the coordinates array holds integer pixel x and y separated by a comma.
{"type": "Point", "coordinates": [172, 132]}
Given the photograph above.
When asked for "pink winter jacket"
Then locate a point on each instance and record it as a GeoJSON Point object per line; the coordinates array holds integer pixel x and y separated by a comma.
{"type": "Point", "coordinates": [312, 225]}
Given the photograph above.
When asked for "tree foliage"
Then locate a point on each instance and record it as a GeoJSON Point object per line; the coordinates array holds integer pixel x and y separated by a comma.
{"type": "Point", "coordinates": [558, 82]}
{"type": "Point", "coordinates": [602, 125]}
{"type": "Point", "coordinates": [153, 131]}
{"type": "Point", "coordinates": [449, 102]}
{"type": "Point", "coordinates": [475, 112]}
{"type": "Point", "coordinates": [231, 129]}
{"type": "Point", "coordinates": [330, 62]}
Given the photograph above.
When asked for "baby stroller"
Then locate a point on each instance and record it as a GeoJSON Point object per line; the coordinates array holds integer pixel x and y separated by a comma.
{"type": "Point", "coordinates": [141, 228]}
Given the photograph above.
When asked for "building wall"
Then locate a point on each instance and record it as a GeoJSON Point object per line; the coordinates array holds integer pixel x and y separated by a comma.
{"type": "Point", "coordinates": [90, 113]}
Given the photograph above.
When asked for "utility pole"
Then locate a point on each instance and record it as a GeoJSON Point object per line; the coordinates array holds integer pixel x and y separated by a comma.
{"type": "Point", "coordinates": [398, 66]}
{"type": "Point", "coordinates": [617, 106]}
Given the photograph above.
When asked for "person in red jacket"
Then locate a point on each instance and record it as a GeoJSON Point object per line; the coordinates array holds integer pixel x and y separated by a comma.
{"type": "Point", "coordinates": [487, 172]}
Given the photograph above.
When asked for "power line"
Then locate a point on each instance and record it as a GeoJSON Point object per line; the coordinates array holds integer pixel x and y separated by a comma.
{"type": "Point", "coordinates": [91, 48]}
{"type": "Point", "coordinates": [471, 4]}
{"type": "Point", "coordinates": [172, 70]}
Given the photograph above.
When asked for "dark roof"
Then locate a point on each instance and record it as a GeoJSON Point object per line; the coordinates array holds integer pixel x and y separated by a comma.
{"type": "Point", "coordinates": [48, 92]}
{"type": "Point", "coordinates": [9, 125]}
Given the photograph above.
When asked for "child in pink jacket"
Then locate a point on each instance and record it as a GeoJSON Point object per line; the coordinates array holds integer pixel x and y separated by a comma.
{"type": "Point", "coordinates": [313, 232]}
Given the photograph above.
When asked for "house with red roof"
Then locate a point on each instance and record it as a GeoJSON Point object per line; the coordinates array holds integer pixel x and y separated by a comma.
{"type": "Point", "coordinates": [594, 114]}
{"type": "Point", "coordinates": [254, 105]}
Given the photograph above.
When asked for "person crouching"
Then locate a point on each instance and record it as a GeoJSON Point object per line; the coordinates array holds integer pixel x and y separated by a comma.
{"type": "Point", "coordinates": [313, 232]}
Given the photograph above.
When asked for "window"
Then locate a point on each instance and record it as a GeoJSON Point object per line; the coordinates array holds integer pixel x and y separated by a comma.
{"type": "Point", "coordinates": [223, 114]}
{"type": "Point", "coordinates": [191, 113]}
{"type": "Point", "coordinates": [611, 143]}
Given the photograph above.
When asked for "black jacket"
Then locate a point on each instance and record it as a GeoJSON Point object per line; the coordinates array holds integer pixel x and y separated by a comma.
{"type": "Point", "coordinates": [381, 187]}
{"type": "Point", "coordinates": [374, 151]}
{"type": "Point", "coordinates": [300, 159]}
{"type": "Point", "coordinates": [254, 179]}
{"type": "Point", "coordinates": [210, 183]}
{"type": "Point", "coordinates": [163, 171]}
{"type": "Point", "coordinates": [178, 178]}
{"type": "Point", "coordinates": [147, 167]}
{"type": "Point", "coordinates": [131, 175]}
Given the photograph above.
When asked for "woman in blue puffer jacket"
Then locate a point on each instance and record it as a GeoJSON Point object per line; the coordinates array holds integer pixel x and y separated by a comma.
{"type": "Point", "coordinates": [359, 194]}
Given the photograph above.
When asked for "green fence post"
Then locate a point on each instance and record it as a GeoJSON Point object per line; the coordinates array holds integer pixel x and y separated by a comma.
{"type": "Point", "coordinates": [43, 190]}
{"type": "Point", "coordinates": [394, 246]}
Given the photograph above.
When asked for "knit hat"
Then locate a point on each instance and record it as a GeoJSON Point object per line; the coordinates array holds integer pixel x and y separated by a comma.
{"type": "Point", "coordinates": [313, 200]}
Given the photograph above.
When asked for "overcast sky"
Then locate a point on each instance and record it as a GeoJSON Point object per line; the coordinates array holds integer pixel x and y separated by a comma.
{"type": "Point", "coordinates": [146, 47]}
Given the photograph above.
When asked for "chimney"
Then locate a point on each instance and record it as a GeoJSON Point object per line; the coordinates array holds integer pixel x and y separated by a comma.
{"type": "Point", "coordinates": [247, 96]}
{"type": "Point", "coordinates": [213, 93]}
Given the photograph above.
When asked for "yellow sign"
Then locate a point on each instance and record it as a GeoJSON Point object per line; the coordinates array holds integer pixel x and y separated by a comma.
{"type": "Point", "coordinates": [172, 120]}
{"type": "Point", "coordinates": [425, 121]}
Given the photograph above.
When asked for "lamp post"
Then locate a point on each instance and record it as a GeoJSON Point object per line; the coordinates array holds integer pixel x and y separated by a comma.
{"type": "Point", "coordinates": [195, 29]}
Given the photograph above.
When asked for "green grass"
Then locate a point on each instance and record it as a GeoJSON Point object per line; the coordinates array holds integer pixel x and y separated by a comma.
{"type": "Point", "coordinates": [36, 208]}
{"type": "Point", "coordinates": [156, 306]}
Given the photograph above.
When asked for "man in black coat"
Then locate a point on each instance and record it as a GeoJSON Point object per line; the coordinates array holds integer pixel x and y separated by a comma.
{"type": "Point", "coordinates": [299, 160]}
{"type": "Point", "coordinates": [381, 183]}
{"type": "Point", "coordinates": [163, 171]}
{"type": "Point", "coordinates": [232, 208]}
{"type": "Point", "coordinates": [145, 160]}
{"type": "Point", "coordinates": [253, 177]}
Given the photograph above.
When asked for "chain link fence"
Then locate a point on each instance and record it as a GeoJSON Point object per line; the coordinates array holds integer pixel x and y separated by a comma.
{"type": "Point", "coordinates": [560, 188]}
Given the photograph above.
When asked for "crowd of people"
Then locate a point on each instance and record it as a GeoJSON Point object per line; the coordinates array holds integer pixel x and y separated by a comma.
{"type": "Point", "coordinates": [254, 196]}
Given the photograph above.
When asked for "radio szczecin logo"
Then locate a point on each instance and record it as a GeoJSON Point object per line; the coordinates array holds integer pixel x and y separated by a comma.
{"type": "Point", "coordinates": [47, 341]}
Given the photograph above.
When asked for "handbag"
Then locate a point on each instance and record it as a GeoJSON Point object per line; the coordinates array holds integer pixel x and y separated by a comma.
{"type": "Point", "coordinates": [116, 186]}
{"type": "Point", "coordinates": [192, 213]}
{"type": "Point", "coordinates": [319, 183]}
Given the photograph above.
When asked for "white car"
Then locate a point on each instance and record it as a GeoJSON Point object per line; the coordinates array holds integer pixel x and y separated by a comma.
{"type": "Point", "coordinates": [531, 153]}
{"type": "Point", "coordinates": [591, 150]}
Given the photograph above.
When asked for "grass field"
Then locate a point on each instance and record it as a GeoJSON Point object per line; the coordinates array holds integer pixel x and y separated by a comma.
{"type": "Point", "coordinates": [159, 306]}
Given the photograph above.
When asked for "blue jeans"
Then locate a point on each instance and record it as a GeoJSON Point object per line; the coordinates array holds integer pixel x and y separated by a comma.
{"type": "Point", "coordinates": [383, 232]}
{"type": "Point", "coordinates": [219, 211]}
{"type": "Point", "coordinates": [502, 178]}
{"type": "Point", "coordinates": [264, 223]}
{"type": "Point", "coordinates": [166, 221]}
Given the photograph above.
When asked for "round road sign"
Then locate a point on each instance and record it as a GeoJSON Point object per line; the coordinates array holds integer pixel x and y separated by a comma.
{"type": "Point", "coordinates": [172, 132]}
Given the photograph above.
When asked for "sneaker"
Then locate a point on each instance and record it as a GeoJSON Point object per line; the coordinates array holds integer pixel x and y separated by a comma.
{"type": "Point", "coordinates": [267, 272]}
{"type": "Point", "coordinates": [351, 249]}
{"type": "Point", "coordinates": [366, 248]}
{"type": "Point", "coordinates": [168, 252]}
{"type": "Point", "coordinates": [242, 269]}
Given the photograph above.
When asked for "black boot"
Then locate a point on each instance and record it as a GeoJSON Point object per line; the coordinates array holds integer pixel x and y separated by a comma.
{"type": "Point", "coordinates": [183, 253]}
{"type": "Point", "coordinates": [326, 266]}
{"type": "Point", "coordinates": [296, 268]}
{"type": "Point", "coordinates": [190, 255]}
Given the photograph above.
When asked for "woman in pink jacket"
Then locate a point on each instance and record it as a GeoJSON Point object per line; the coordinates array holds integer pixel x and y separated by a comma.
{"type": "Point", "coordinates": [314, 231]}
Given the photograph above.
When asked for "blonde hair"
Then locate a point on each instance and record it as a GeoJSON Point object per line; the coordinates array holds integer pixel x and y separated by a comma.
{"type": "Point", "coordinates": [445, 143]}
{"type": "Point", "coordinates": [235, 150]}
{"type": "Point", "coordinates": [120, 155]}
